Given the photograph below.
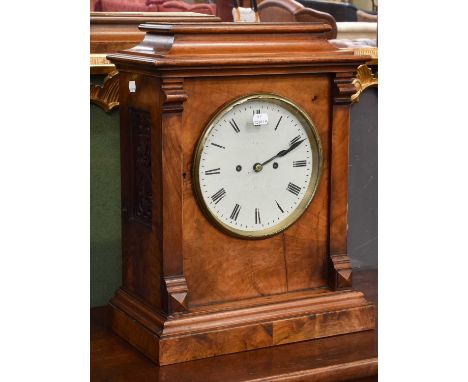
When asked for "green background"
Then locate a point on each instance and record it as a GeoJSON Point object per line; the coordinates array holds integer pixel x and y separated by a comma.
{"type": "Point", "coordinates": [106, 262]}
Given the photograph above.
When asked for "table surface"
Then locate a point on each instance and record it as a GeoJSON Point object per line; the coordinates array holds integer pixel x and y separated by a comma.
{"type": "Point", "coordinates": [335, 358]}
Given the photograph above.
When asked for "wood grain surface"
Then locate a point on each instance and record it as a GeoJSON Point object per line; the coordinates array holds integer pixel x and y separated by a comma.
{"type": "Point", "coordinates": [253, 268]}
{"type": "Point", "coordinates": [351, 357]}
{"type": "Point", "coordinates": [114, 31]}
{"type": "Point", "coordinates": [190, 291]}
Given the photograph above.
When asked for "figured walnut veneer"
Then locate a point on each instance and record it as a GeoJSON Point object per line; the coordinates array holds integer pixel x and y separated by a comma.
{"type": "Point", "coordinates": [337, 358]}
{"type": "Point", "coordinates": [189, 290]}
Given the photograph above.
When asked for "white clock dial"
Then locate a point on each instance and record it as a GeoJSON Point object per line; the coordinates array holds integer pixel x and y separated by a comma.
{"type": "Point", "coordinates": [257, 166]}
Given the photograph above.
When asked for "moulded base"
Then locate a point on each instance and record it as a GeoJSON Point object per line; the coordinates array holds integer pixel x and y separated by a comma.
{"type": "Point", "coordinates": [209, 331]}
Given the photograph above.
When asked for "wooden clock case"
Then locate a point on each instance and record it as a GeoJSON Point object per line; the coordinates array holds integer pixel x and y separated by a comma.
{"type": "Point", "coordinates": [189, 290]}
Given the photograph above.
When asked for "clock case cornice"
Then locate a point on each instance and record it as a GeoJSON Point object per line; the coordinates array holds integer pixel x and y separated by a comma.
{"type": "Point", "coordinates": [210, 46]}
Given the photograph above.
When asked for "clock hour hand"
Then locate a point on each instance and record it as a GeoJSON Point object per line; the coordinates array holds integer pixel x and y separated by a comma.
{"type": "Point", "coordinates": [282, 153]}
{"type": "Point", "coordinates": [259, 166]}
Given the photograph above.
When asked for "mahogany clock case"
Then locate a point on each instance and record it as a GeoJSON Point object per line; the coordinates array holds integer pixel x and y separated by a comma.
{"type": "Point", "coordinates": [190, 290]}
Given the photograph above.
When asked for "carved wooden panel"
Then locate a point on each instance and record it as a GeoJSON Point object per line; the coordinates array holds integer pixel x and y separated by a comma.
{"type": "Point", "coordinates": [140, 126]}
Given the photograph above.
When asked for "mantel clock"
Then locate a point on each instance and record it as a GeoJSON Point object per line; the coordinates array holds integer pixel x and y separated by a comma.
{"type": "Point", "coordinates": [234, 156]}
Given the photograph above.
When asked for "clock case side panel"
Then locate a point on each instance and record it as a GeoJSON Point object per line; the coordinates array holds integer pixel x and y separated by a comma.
{"type": "Point", "coordinates": [151, 223]}
{"type": "Point", "coordinates": [153, 284]}
{"type": "Point", "coordinates": [141, 184]}
{"type": "Point", "coordinates": [340, 270]}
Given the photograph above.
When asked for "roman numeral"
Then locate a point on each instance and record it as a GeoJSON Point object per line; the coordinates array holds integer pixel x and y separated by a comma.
{"type": "Point", "coordinates": [218, 195]}
{"type": "Point", "coordinates": [221, 147]}
{"type": "Point", "coordinates": [213, 172]}
{"type": "Point", "coordinates": [257, 216]}
{"type": "Point", "coordinates": [235, 212]}
{"type": "Point", "coordinates": [294, 140]}
{"type": "Point", "coordinates": [278, 122]}
{"type": "Point", "coordinates": [299, 163]}
{"type": "Point", "coordinates": [234, 125]}
{"type": "Point", "coordinates": [293, 188]}
{"type": "Point", "coordinates": [279, 207]}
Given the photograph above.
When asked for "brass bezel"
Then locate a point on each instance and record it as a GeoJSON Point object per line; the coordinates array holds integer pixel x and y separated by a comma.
{"type": "Point", "coordinates": [314, 138]}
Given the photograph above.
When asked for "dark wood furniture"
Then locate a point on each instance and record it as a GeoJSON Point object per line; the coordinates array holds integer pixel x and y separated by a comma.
{"type": "Point", "coordinates": [291, 10]}
{"type": "Point", "coordinates": [183, 297]}
{"type": "Point", "coordinates": [340, 11]}
{"type": "Point", "coordinates": [351, 357]}
{"type": "Point", "coordinates": [224, 9]}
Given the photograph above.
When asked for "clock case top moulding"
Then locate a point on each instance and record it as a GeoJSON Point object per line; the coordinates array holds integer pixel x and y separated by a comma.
{"type": "Point", "coordinates": [188, 290]}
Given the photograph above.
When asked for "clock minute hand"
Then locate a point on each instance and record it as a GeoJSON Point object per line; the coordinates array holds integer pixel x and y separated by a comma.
{"type": "Point", "coordinates": [282, 153]}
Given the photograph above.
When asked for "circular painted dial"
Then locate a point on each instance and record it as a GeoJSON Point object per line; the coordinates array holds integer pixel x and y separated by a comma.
{"type": "Point", "coordinates": [257, 166]}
